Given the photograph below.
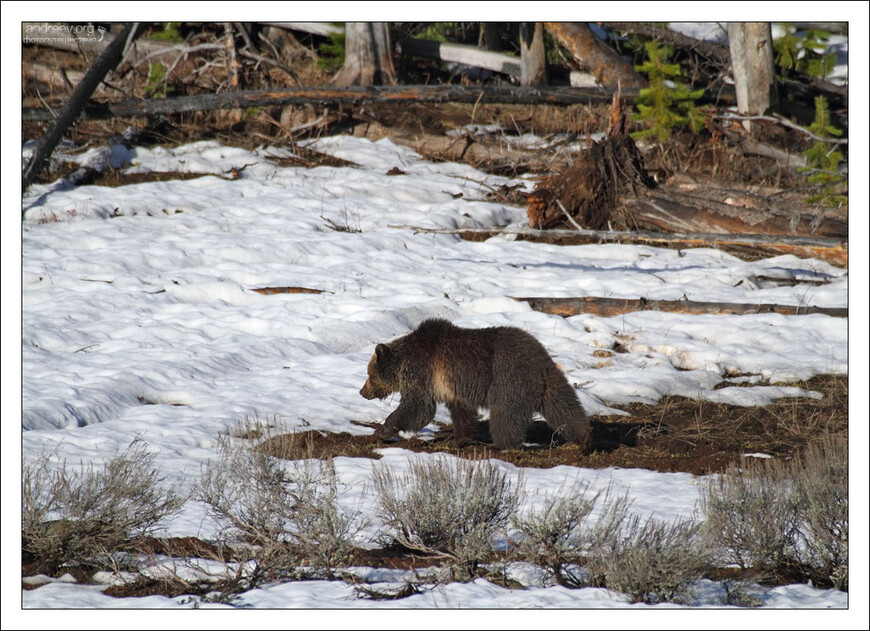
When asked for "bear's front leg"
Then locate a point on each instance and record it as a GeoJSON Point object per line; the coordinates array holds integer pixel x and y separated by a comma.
{"type": "Point", "coordinates": [413, 414]}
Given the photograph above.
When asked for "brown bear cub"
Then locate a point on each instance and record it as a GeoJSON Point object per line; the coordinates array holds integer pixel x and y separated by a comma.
{"type": "Point", "coordinates": [503, 369]}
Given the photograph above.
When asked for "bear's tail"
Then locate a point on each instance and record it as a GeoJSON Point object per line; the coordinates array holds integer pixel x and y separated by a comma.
{"type": "Point", "coordinates": [562, 410]}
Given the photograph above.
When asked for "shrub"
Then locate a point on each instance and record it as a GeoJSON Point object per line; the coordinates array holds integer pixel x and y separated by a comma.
{"type": "Point", "coordinates": [787, 520]}
{"type": "Point", "coordinates": [86, 517]}
{"type": "Point", "coordinates": [278, 515]}
{"type": "Point", "coordinates": [558, 534]}
{"type": "Point", "coordinates": [822, 475]}
{"type": "Point", "coordinates": [446, 509]}
{"type": "Point", "coordinates": [651, 561]}
{"type": "Point", "coordinates": [654, 561]}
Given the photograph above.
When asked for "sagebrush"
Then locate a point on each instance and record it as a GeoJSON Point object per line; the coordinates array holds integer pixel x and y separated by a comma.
{"type": "Point", "coordinates": [559, 535]}
{"type": "Point", "coordinates": [277, 516]}
{"type": "Point", "coordinates": [447, 508]}
{"type": "Point", "coordinates": [787, 520]}
{"type": "Point", "coordinates": [86, 516]}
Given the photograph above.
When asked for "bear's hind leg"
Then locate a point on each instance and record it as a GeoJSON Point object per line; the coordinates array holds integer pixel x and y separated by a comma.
{"type": "Point", "coordinates": [508, 425]}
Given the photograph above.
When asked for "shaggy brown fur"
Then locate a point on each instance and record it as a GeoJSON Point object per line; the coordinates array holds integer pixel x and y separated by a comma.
{"type": "Point", "coordinates": [503, 369]}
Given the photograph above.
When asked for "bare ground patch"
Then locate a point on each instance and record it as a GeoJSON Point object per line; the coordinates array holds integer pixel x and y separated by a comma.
{"type": "Point", "coordinates": [675, 434]}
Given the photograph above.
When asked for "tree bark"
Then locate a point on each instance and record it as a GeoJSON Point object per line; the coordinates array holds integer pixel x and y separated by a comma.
{"type": "Point", "coordinates": [107, 60]}
{"type": "Point", "coordinates": [533, 60]}
{"type": "Point", "coordinates": [488, 154]}
{"type": "Point", "coordinates": [604, 62]}
{"type": "Point", "coordinates": [751, 47]}
{"type": "Point", "coordinates": [368, 58]}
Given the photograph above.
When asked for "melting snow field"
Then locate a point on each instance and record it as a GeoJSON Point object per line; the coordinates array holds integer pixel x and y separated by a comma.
{"type": "Point", "coordinates": [139, 319]}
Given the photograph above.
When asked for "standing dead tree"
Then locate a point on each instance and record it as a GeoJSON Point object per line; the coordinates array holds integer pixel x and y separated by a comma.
{"type": "Point", "coordinates": [533, 60]}
{"type": "Point", "coordinates": [751, 46]}
{"type": "Point", "coordinates": [367, 56]}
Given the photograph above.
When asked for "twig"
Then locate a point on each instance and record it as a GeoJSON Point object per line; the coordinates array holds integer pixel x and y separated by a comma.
{"type": "Point", "coordinates": [785, 123]}
{"type": "Point", "coordinates": [259, 58]}
{"type": "Point", "coordinates": [47, 106]}
{"type": "Point", "coordinates": [180, 49]}
{"type": "Point", "coordinates": [244, 33]}
{"type": "Point", "coordinates": [567, 215]}
{"type": "Point", "coordinates": [230, 47]}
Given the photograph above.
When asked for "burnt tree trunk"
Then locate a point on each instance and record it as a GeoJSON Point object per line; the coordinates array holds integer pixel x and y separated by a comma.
{"type": "Point", "coordinates": [533, 59]}
{"type": "Point", "coordinates": [488, 38]}
{"type": "Point", "coordinates": [368, 58]}
{"type": "Point", "coordinates": [751, 47]}
{"type": "Point", "coordinates": [352, 95]}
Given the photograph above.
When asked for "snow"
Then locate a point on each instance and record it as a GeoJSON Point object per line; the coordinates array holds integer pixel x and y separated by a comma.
{"type": "Point", "coordinates": [139, 319]}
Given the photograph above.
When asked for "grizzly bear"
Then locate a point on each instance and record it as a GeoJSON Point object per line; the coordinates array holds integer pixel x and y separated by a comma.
{"type": "Point", "coordinates": [503, 369]}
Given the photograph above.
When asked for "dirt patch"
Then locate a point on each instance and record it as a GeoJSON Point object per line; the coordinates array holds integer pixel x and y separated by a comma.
{"type": "Point", "coordinates": [320, 445]}
{"type": "Point", "coordinates": [676, 434]}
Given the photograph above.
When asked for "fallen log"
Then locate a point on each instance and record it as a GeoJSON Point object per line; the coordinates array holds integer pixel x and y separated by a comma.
{"type": "Point", "coordinates": [459, 53]}
{"type": "Point", "coordinates": [728, 211]}
{"type": "Point", "coordinates": [486, 154]}
{"type": "Point", "coordinates": [270, 291]}
{"type": "Point", "coordinates": [717, 53]}
{"type": "Point", "coordinates": [330, 95]}
{"type": "Point", "coordinates": [478, 58]}
{"type": "Point", "coordinates": [834, 251]}
{"type": "Point", "coordinates": [607, 307]}
{"type": "Point", "coordinates": [55, 77]}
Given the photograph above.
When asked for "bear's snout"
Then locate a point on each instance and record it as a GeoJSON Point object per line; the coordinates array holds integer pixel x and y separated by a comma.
{"type": "Point", "coordinates": [366, 391]}
{"type": "Point", "coordinates": [374, 389]}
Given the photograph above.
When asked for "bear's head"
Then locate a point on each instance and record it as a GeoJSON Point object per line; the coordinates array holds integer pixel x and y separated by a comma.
{"type": "Point", "coordinates": [383, 371]}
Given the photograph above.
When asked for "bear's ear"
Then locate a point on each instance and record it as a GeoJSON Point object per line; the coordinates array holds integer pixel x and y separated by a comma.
{"type": "Point", "coordinates": [381, 351]}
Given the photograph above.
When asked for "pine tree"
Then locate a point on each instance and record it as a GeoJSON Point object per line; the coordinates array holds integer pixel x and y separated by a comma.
{"type": "Point", "coordinates": [667, 102]}
{"type": "Point", "coordinates": [823, 159]}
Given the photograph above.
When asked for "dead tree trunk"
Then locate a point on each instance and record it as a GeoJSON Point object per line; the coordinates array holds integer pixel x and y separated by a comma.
{"type": "Point", "coordinates": [751, 46]}
{"type": "Point", "coordinates": [488, 37]}
{"type": "Point", "coordinates": [107, 60]}
{"type": "Point", "coordinates": [602, 61]}
{"type": "Point", "coordinates": [368, 58]}
{"type": "Point", "coordinates": [533, 59]}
